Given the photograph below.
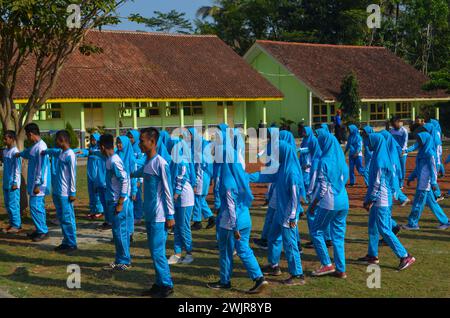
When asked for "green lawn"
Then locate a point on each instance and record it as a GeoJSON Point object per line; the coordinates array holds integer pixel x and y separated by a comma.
{"type": "Point", "coordinates": [30, 270]}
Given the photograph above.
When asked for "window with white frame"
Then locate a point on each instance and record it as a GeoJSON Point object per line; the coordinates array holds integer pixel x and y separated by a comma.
{"type": "Point", "coordinates": [49, 111]}
{"type": "Point", "coordinates": [377, 111]}
{"type": "Point", "coordinates": [319, 111]}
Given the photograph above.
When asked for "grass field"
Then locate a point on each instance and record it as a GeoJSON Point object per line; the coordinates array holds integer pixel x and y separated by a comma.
{"type": "Point", "coordinates": [34, 270]}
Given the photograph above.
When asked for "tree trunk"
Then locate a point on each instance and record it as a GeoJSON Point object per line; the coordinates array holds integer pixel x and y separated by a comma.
{"type": "Point", "coordinates": [23, 184]}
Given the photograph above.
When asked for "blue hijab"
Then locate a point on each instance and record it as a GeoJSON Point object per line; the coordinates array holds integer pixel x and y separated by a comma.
{"type": "Point", "coordinates": [436, 125]}
{"type": "Point", "coordinates": [289, 173]}
{"type": "Point", "coordinates": [434, 134]}
{"type": "Point", "coordinates": [288, 137]}
{"type": "Point", "coordinates": [426, 146]}
{"type": "Point", "coordinates": [97, 139]}
{"type": "Point", "coordinates": [137, 150]}
{"type": "Point", "coordinates": [354, 136]}
{"type": "Point", "coordinates": [161, 147]}
{"type": "Point", "coordinates": [380, 161]}
{"type": "Point", "coordinates": [127, 154]}
{"type": "Point", "coordinates": [180, 154]}
{"type": "Point", "coordinates": [332, 160]}
{"type": "Point", "coordinates": [325, 126]}
{"type": "Point", "coordinates": [394, 152]}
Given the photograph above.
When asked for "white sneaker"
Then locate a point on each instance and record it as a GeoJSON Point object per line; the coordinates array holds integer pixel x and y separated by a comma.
{"type": "Point", "coordinates": [174, 260]}
{"type": "Point", "coordinates": [406, 202]}
{"type": "Point", "coordinates": [440, 198]}
{"type": "Point", "coordinates": [410, 228]}
{"type": "Point", "coordinates": [443, 226]}
{"type": "Point", "coordinates": [187, 259]}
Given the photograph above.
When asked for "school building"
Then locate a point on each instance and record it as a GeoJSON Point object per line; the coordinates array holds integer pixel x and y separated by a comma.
{"type": "Point", "coordinates": [310, 77]}
{"type": "Point", "coordinates": [142, 79]}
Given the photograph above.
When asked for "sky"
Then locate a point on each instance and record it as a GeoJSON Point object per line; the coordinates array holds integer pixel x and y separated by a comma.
{"type": "Point", "coordinates": [147, 7]}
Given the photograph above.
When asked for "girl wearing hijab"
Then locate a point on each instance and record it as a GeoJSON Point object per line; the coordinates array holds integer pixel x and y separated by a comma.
{"type": "Point", "coordinates": [126, 153]}
{"type": "Point", "coordinates": [378, 203]}
{"type": "Point", "coordinates": [288, 188]}
{"type": "Point", "coordinates": [138, 212]}
{"type": "Point", "coordinates": [183, 201]}
{"type": "Point", "coordinates": [367, 130]}
{"type": "Point", "coordinates": [234, 226]}
{"type": "Point", "coordinates": [426, 172]}
{"type": "Point", "coordinates": [330, 205]}
{"type": "Point", "coordinates": [438, 130]}
{"type": "Point", "coordinates": [354, 149]}
{"type": "Point", "coordinates": [96, 178]}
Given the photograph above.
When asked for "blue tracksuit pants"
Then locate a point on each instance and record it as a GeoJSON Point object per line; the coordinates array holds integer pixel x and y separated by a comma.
{"type": "Point", "coordinates": [201, 209]}
{"type": "Point", "coordinates": [95, 204]}
{"type": "Point", "coordinates": [280, 238]}
{"type": "Point", "coordinates": [12, 205]}
{"type": "Point", "coordinates": [267, 223]}
{"type": "Point", "coordinates": [120, 232]}
{"type": "Point", "coordinates": [403, 160]}
{"type": "Point", "coordinates": [356, 163]}
{"type": "Point", "coordinates": [130, 216]}
{"type": "Point", "coordinates": [66, 217]}
{"type": "Point", "coordinates": [422, 199]}
{"type": "Point", "coordinates": [401, 197]}
{"type": "Point", "coordinates": [310, 221]}
{"type": "Point", "coordinates": [38, 214]}
{"type": "Point", "coordinates": [182, 231]}
{"type": "Point", "coordinates": [138, 205]}
{"type": "Point", "coordinates": [101, 194]}
{"type": "Point", "coordinates": [380, 222]}
{"type": "Point", "coordinates": [227, 245]}
{"type": "Point", "coordinates": [156, 238]}
{"type": "Point", "coordinates": [336, 221]}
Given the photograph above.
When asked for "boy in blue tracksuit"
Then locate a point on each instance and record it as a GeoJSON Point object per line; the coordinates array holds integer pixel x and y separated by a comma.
{"type": "Point", "coordinates": [354, 149]}
{"type": "Point", "coordinates": [378, 203]}
{"type": "Point", "coordinates": [330, 205]}
{"type": "Point", "coordinates": [400, 135]}
{"type": "Point", "coordinates": [95, 178]}
{"type": "Point", "coordinates": [183, 201]}
{"type": "Point", "coordinates": [234, 226]}
{"type": "Point", "coordinates": [117, 197]}
{"type": "Point", "coordinates": [158, 209]}
{"type": "Point", "coordinates": [426, 173]}
{"type": "Point", "coordinates": [12, 167]}
{"type": "Point", "coordinates": [38, 181]}
{"type": "Point", "coordinates": [289, 187]}
{"type": "Point", "coordinates": [64, 190]}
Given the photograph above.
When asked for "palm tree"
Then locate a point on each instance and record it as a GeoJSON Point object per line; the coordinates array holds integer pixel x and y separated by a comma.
{"type": "Point", "coordinates": [210, 11]}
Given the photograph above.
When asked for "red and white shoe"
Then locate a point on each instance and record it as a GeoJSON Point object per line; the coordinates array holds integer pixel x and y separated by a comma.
{"type": "Point", "coordinates": [406, 262]}
{"type": "Point", "coordinates": [324, 270]}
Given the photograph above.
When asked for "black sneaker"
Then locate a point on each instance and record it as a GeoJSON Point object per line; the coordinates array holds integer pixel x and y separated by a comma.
{"type": "Point", "coordinates": [105, 226]}
{"type": "Point", "coordinates": [40, 237]}
{"type": "Point", "coordinates": [309, 245]}
{"type": "Point", "coordinates": [260, 285]}
{"type": "Point", "coordinates": [196, 226]}
{"type": "Point", "coordinates": [211, 223]}
{"type": "Point", "coordinates": [300, 249]}
{"type": "Point", "coordinates": [131, 238]}
{"type": "Point", "coordinates": [117, 267]}
{"type": "Point", "coordinates": [406, 262]}
{"type": "Point", "coordinates": [65, 248]}
{"type": "Point", "coordinates": [396, 230]}
{"type": "Point", "coordinates": [32, 235]}
{"type": "Point", "coordinates": [152, 291]}
{"type": "Point", "coordinates": [329, 243]}
{"type": "Point", "coordinates": [295, 281]}
{"type": "Point", "coordinates": [262, 244]}
{"type": "Point", "coordinates": [218, 286]}
{"type": "Point", "coordinates": [164, 292]}
{"type": "Point", "coordinates": [272, 271]}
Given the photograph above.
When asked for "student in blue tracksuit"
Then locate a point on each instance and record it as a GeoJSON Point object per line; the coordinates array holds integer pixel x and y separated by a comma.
{"type": "Point", "coordinates": [378, 203]}
{"type": "Point", "coordinates": [158, 209]}
{"type": "Point", "coordinates": [426, 173]}
{"type": "Point", "coordinates": [401, 136]}
{"type": "Point", "coordinates": [234, 226]}
{"type": "Point", "coordinates": [354, 149]}
{"type": "Point", "coordinates": [133, 135]}
{"type": "Point", "coordinates": [38, 180]}
{"type": "Point", "coordinates": [203, 169]}
{"type": "Point", "coordinates": [330, 205]}
{"type": "Point", "coordinates": [117, 197]}
{"type": "Point", "coordinates": [366, 131]}
{"type": "Point", "coordinates": [283, 233]}
{"type": "Point", "coordinates": [95, 178]}
{"type": "Point", "coordinates": [126, 153]}
{"type": "Point", "coordinates": [183, 200]}
{"type": "Point", "coordinates": [64, 189]}
{"type": "Point", "coordinates": [438, 141]}
{"type": "Point", "coordinates": [12, 168]}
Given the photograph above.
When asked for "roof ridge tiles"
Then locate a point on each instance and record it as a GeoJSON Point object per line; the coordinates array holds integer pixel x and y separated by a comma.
{"type": "Point", "coordinates": [322, 44]}
{"type": "Point", "coordinates": [155, 33]}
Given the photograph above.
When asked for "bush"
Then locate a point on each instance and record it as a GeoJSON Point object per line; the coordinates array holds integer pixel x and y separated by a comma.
{"type": "Point", "coordinates": [74, 141]}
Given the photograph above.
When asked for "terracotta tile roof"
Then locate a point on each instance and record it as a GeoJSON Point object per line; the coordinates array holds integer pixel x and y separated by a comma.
{"type": "Point", "coordinates": [381, 74]}
{"type": "Point", "coordinates": [158, 66]}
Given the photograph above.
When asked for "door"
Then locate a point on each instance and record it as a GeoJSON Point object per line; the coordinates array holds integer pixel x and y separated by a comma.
{"type": "Point", "coordinates": [93, 115]}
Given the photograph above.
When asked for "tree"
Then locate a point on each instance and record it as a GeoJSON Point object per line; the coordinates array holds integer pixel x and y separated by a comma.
{"type": "Point", "coordinates": [172, 21]}
{"type": "Point", "coordinates": [74, 142]}
{"type": "Point", "coordinates": [40, 34]}
{"type": "Point", "coordinates": [439, 79]}
{"type": "Point", "coordinates": [349, 98]}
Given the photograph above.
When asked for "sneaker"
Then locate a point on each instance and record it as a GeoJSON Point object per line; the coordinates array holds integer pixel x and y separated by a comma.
{"type": "Point", "coordinates": [260, 285]}
{"type": "Point", "coordinates": [117, 267]}
{"type": "Point", "coordinates": [196, 226]}
{"type": "Point", "coordinates": [369, 260]}
{"type": "Point", "coordinates": [309, 245]}
{"type": "Point", "coordinates": [63, 248]}
{"type": "Point", "coordinates": [440, 198]}
{"type": "Point", "coordinates": [105, 226]}
{"type": "Point", "coordinates": [340, 275]}
{"type": "Point", "coordinates": [211, 223]}
{"type": "Point", "coordinates": [219, 286]}
{"type": "Point", "coordinates": [54, 222]}
{"type": "Point", "coordinates": [404, 203]}
{"type": "Point", "coordinates": [396, 230]}
{"type": "Point", "coordinates": [329, 243]}
{"type": "Point", "coordinates": [295, 281]}
{"type": "Point", "coordinates": [11, 230]}
{"type": "Point", "coordinates": [170, 232]}
{"type": "Point", "coordinates": [324, 270]}
{"type": "Point", "coordinates": [187, 259]}
{"type": "Point", "coordinates": [271, 270]}
{"type": "Point", "coordinates": [152, 291]}
{"type": "Point", "coordinates": [174, 259]}
{"type": "Point", "coordinates": [410, 228]}
{"type": "Point", "coordinates": [443, 226]}
{"type": "Point", "coordinates": [405, 262]}
{"type": "Point", "coordinates": [163, 292]}
{"type": "Point", "coordinates": [40, 237]}
{"type": "Point", "coordinates": [262, 244]}
{"type": "Point", "coordinates": [32, 235]}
